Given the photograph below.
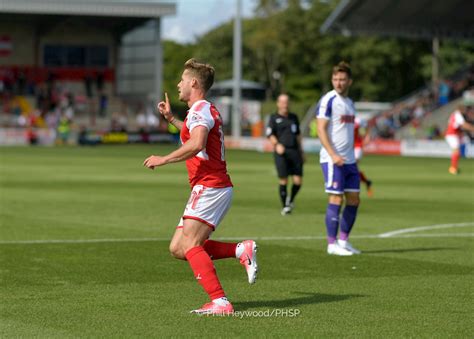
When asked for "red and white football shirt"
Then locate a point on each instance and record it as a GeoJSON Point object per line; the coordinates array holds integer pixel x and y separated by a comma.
{"type": "Point", "coordinates": [358, 140]}
{"type": "Point", "coordinates": [208, 167]}
{"type": "Point", "coordinates": [456, 120]}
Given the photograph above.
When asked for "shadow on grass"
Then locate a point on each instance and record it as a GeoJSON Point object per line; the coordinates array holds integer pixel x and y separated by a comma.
{"type": "Point", "coordinates": [307, 298]}
{"type": "Point", "coordinates": [403, 250]}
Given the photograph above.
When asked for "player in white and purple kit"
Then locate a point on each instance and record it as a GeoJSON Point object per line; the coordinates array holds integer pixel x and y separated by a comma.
{"type": "Point", "coordinates": [335, 116]}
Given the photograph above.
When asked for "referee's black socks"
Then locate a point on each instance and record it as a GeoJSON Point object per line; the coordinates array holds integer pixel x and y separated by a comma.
{"type": "Point", "coordinates": [294, 191]}
{"type": "Point", "coordinates": [283, 194]}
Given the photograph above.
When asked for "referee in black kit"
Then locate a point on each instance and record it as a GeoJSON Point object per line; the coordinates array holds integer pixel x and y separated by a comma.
{"type": "Point", "coordinates": [283, 131]}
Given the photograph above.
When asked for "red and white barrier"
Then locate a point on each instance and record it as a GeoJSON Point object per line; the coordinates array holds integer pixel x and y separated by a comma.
{"type": "Point", "coordinates": [415, 148]}
{"type": "Point", "coordinates": [411, 148]}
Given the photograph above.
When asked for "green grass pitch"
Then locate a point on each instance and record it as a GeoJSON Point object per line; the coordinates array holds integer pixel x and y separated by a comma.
{"type": "Point", "coordinates": [56, 282]}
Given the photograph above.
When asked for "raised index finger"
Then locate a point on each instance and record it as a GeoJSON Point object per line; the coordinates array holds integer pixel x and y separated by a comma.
{"type": "Point", "coordinates": [166, 98]}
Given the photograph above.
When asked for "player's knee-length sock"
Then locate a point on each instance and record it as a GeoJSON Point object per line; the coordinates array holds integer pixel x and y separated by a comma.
{"type": "Point", "coordinates": [204, 272]}
{"type": "Point", "coordinates": [332, 222]}
{"type": "Point", "coordinates": [283, 194]}
{"type": "Point", "coordinates": [362, 176]}
{"type": "Point", "coordinates": [348, 219]}
{"type": "Point", "coordinates": [219, 250]}
{"type": "Point", "coordinates": [294, 191]}
{"type": "Point", "coordinates": [455, 159]}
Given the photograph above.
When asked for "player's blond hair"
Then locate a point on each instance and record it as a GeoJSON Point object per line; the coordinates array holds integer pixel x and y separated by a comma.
{"type": "Point", "coordinates": [204, 73]}
{"type": "Point", "coordinates": [343, 67]}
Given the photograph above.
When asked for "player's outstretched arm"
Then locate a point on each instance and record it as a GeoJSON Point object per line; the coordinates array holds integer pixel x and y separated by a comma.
{"type": "Point", "coordinates": [196, 143]}
{"type": "Point", "coordinates": [164, 108]}
{"type": "Point", "coordinates": [324, 138]}
{"type": "Point", "coordinates": [467, 127]}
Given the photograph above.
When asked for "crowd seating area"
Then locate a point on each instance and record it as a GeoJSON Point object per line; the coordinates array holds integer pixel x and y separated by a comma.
{"type": "Point", "coordinates": [410, 112]}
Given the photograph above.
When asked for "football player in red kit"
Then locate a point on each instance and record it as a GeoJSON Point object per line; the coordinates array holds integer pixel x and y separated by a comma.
{"type": "Point", "coordinates": [202, 148]}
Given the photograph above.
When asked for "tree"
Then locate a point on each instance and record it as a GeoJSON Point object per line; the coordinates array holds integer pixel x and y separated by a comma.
{"type": "Point", "coordinates": [174, 57]}
{"type": "Point", "coordinates": [284, 49]}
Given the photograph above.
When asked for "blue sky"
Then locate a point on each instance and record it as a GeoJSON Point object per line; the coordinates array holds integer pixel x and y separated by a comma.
{"type": "Point", "coordinates": [195, 17]}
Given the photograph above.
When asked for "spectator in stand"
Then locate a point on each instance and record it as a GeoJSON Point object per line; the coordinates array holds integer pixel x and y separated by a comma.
{"type": "Point", "coordinates": [103, 102]}
{"type": "Point", "coordinates": [141, 122]}
{"type": "Point", "coordinates": [434, 132]}
{"type": "Point", "coordinates": [419, 111]}
{"type": "Point", "coordinates": [123, 122]}
{"type": "Point", "coordinates": [152, 120]}
{"type": "Point", "coordinates": [88, 85]}
{"type": "Point", "coordinates": [71, 99]}
{"type": "Point", "coordinates": [63, 130]}
{"type": "Point", "coordinates": [458, 88]}
{"type": "Point", "coordinates": [52, 119]}
{"type": "Point", "coordinates": [8, 81]}
{"type": "Point", "coordinates": [21, 83]}
{"type": "Point", "coordinates": [66, 107]}
{"type": "Point", "coordinates": [50, 86]}
{"type": "Point", "coordinates": [443, 93]}
{"type": "Point", "coordinates": [42, 99]}
{"type": "Point", "coordinates": [385, 125]}
{"type": "Point", "coordinates": [99, 80]}
{"type": "Point", "coordinates": [470, 78]}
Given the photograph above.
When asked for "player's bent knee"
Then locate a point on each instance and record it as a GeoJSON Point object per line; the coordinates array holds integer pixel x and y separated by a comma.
{"type": "Point", "coordinates": [354, 201]}
{"type": "Point", "coordinates": [176, 251]}
{"type": "Point", "coordinates": [297, 180]}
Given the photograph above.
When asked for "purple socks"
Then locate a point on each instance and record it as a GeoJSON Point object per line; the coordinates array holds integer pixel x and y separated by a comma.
{"type": "Point", "coordinates": [332, 222]}
{"type": "Point", "coordinates": [348, 219]}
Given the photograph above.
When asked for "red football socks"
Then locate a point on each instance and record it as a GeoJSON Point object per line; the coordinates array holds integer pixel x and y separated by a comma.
{"type": "Point", "coordinates": [219, 250]}
{"type": "Point", "coordinates": [455, 159]}
{"type": "Point", "coordinates": [204, 272]}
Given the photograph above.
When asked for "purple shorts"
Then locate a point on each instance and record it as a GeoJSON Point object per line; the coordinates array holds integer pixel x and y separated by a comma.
{"type": "Point", "coordinates": [340, 179]}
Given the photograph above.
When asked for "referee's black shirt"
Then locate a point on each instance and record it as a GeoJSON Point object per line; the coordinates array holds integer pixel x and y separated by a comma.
{"type": "Point", "coordinates": [285, 129]}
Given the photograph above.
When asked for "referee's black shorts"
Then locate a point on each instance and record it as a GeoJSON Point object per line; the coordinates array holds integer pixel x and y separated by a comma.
{"type": "Point", "coordinates": [290, 163]}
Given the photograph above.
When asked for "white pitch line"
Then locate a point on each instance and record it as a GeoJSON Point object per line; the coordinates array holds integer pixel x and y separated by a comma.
{"type": "Point", "coordinates": [368, 236]}
{"type": "Point", "coordinates": [423, 228]}
{"type": "Point", "coordinates": [81, 241]}
{"type": "Point", "coordinates": [431, 235]}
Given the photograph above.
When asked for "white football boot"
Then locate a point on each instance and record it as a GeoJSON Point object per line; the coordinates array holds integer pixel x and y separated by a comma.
{"type": "Point", "coordinates": [335, 249]}
{"type": "Point", "coordinates": [286, 210]}
{"type": "Point", "coordinates": [248, 259]}
{"type": "Point", "coordinates": [347, 246]}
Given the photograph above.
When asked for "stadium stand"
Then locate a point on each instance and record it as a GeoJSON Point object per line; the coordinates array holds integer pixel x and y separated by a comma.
{"type": "Point", "coordinates": [423, 113]}
{"type": "Point", "coordinates": [48, 71]}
